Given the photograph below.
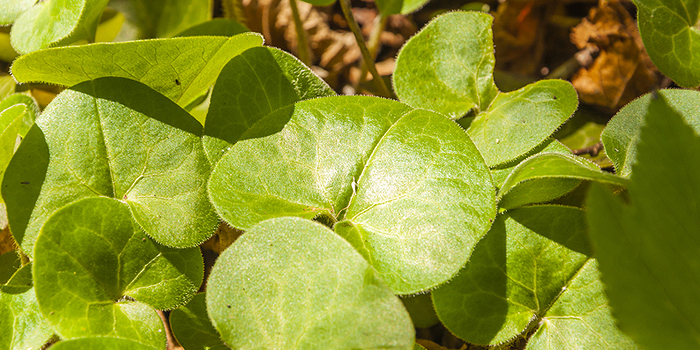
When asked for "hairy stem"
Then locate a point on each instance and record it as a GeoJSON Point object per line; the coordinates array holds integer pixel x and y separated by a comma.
{"type": "Point", "coordinates": [302, 44]}
{"type": "Point", "coordinates": [374, 42]}
{"type": "Point", "coordinates": [369, 62]}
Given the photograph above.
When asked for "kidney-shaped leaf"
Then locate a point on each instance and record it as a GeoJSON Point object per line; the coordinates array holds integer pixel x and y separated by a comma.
{"type": "Point", "coordinates": [48, 23]}
{"type": "Point", "coordinates": [91, 255]}
{"type": "Point", "coordinates": [192, 327]}
{"type": "Point", "coordinates": [671, 36]}
{"type": "Point", "coordinates": [409, 185]}
{"type": "Point", "coordinates": [21, 324]}
{"type": "Point", "coordinates": [518, 121]}
{"type": "Point", "coordinates": [448, 66]}
{"type": "Point", "coordinates": [250, 87]}
{"type": "Point", "coordinates": [290, 283]}
{"type": "Point", "coordinates": [179, 68]}
{"type": "Point", "coordinates": [621, 135]}
{"type": "Point", "coordinates": [116, 137]}
{"type": "Point", "coordinates": [515, 275]}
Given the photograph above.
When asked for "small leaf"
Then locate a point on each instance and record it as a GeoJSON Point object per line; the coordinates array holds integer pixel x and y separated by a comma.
{"type": "Point", "coordinates": [10, 123]}
{"type": "Point", "coordinates": [448, 66]}
{"type": "Point", "coordinates": [180, 68]}
{"type": "Point", "coordinates": [621, 135]}
{"type": "Point", "coordinates": [55, 22]}
{"type": "Point", "coordinates": [671, 36]}
{"type": "Point", "coordinates": [134, 145]}
{"type": "Point", "coordinates": [408, 185]}
{"type": "Point", "coordinates": [648, 250]}
{"type": "Point", "coordinates": [14, 278]}
{"type": "Point", "coordinates": [102, 343]}
{"type": "Point", "coordinates": [249, 89]}
{"type": "Point", "coordinates": [548, 176]}
{"type": "Point", "coordinates": [21, 324]}
{"type": "Point", "coordinates": [273, 290]}
{"type": "Point", "coordinates": [395, 7]}
{"type": "Point", "coordinates": [32, 110]}
{"type": "Point", "coordinates": [518, 121]}
{"type": "Point", "coordinates": [192, 327]}
{"type": "Point", "coordinates": [90, 255]}
{"type": "Point", "coordinates": [501, 172]}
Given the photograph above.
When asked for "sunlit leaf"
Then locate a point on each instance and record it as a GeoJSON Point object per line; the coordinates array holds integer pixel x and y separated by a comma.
{"type": "Point", "coordinates": [21, 324]}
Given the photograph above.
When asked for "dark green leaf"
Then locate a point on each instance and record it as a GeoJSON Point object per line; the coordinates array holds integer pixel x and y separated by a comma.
{"type": "Point", "coordinates": [216, 27]}
{"type": "Point", "coordinates": [192, 327]}
{"type": "Point", "coordinates": [395, 7]}
{"type": "Point", "coordinates": [165, 18]}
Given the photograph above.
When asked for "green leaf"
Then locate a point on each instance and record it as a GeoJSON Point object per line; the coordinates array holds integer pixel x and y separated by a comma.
{"type": "Point", "coordinates": [10, 123]}
{"type": "Point", "coordinates": [421, 309]}
{"type": "Point", "coordinates": [273, 290]}
{"type": "Point", "coordinates": [133, 144]}
{"type": "Point", "coordinates": [408, 185]}
{"type": "Point", "coordinates": [166, 18]}
{"type": "Point", "coordinates": [192, 327]}
{"type": "Point", "coordinates": [671, 35]}
{"type": "Point", "coordinates": [7, 86]}
{"type": "Point", "coordinates": [518, 121]}
{"type": "Point", "coordinates": [56, 22]}
{"type": "Point", "coordinates": [21, 324]}
{"type": "Point", "coordinates": [249, 89]}
{"type": "Point", "coordinates": [580, 318]}
{"type": "Point", "coordinates": [621, 135]}
{"type": "Point", "coordinates": [448, 66]}
{"type": "Point", "coordinates": [32, 110]}
{"type": "Point", "coordinates": [13, 9]}
{"type": "Point", "coordinates": [501, 172]}
{"type": "Point", "coordinates": [216, 27]}
{"type": "Point", "coordinates": [14, 278]}
{"type": "Point", "coordinates": [102, 343]}
{"type": "Point", "coordinates": [91, 255]}
{"type": "Point", "coordinates": [395, 7]}
{"type": "Point", "coordinates": [515, 274]}
{"type": "Point", "coordinates": [648, 250]}
{"type": "Point", "coordinates": [548, 176]}
{"type": "Point", "coordinates": [180, 68]}
{"type": "Point", "coordinates": [320, 2]}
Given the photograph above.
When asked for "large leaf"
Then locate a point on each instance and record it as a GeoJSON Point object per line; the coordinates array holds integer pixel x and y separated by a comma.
{"type": "Point", "coordinates": [547, 176]}
{"type": "Point", "coordinates": [621, 135]}
{"type": "Point", "coordinates": [408, 185]}
{"type": "Point", "coordinates": [648, 250]}
{"type": "Point", "coordinates": [395, 7]}
{"type": "Point", "coordinates": [448, 66]}
{"type": "Point", "coordinates": [290, 283]}
{"type": "Point", "coordinates": [114, 137]}
{"type": "Point", "coordinates": [55, 22]}
{"type": "Point", "coordinates": [671, 33]}
{"type": "Point", "coordinates": [180, 68]}
{"type": "Point", "coordinates": [21, 324]}
{"type": "Point", "coordinates": [165, 18]}
{"type": "Point", "coordinates": [12, 9]}
{"type": "Point", "coordinates": [250, 87]}
{"type": "Point", "coordinates": [192, 327]}
{"type": "Point", "coordinates": [515, 279]}
{"type": "Point", "coordinates": [91, 255]}
{"type": "Point", "coordinates": [518, 121]}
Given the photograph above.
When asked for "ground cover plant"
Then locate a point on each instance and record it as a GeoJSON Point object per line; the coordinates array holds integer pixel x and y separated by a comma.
{"type": "Point", "coordinates": [344, 222]}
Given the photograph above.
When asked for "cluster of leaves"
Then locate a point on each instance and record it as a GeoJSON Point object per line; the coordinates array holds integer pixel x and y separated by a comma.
{"type": "Point", "coordinates": [350, 204]}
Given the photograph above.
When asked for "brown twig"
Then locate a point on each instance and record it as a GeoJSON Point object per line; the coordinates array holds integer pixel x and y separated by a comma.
{"type": "Point", "coordinates": [591, 150]}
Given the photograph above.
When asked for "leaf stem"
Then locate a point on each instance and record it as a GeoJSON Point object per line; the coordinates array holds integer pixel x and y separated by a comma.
{"type": "Point", "coordinates": [366, 56]}
{"type": "Point", "coordinates": [374, 43]}
{"type": "Point", "coordinates": [302, 44]}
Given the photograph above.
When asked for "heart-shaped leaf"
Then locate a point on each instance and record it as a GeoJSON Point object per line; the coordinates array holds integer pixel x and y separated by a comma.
{"type": "Point", "coordinates": [21, 324]}
{"type": "Point", "coordinates": [408, 185]}
{"type": "Point", "coordinates": [192, 327]}
{"type": "Point", "coordinates": [56, 22]}
{"type": "Point", "coordinates": [648, 249]}
{"type": "Point", "coordinates": [621, 135]}
{"type": "Point", "coordinates": [115, 137]}
{"type": "Point", "coordinates": [548, 176]}
{"type": "Point", "coordinates": [671, 36]}
{"type": "Point", "coordinates": [91, 256]}
{"type": "Point", "coordinates": [290, 283]}
{"type": "Point", "coordinates": [448, 66]}
{"type": "Point", "coordinates": [250, 87]}
{"type": "Point", "coordinates": [516, 122]}
{"type": "Point", "coordinates": [180, 68]}
{"type": "Point", "coordinates": [517, 273]}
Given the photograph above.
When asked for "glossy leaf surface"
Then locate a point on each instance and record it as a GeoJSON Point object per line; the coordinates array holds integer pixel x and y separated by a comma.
{"type": "Point", "coordinates": [671, 36]}
{"type": "Point", "coordinates": [621, 135]}
{"type": "Point", "coordinates": [250, 88]}
{"type": "Point", "coordinates": [273, 290]}
{"type": "Point", "coordinates": [21, 324]}
{"type": "Point", "coordinates": [192, 327]}
{"type": "Point", "coordinates": [407, 184]}
{"type": "Point", "coordinates": [648, 249]}
{"type": "Point", "coordinates": [518, 121]}
{"type": "Point", "coordinates": [115, 137]}
{"type": "Point", "coordinates": [180, 68]}
{"type": "Point", "coordinates": [53, 22]}
{"type": "Point", "coordinates": [448, 66]}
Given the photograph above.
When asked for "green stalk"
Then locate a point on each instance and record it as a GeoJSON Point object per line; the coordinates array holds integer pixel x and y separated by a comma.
{"type": "Point", "coordinates": [369, 62]}
{"type": "Point", "coordinates": [374, 43]}
{"type": "Point", "coordinates": [302, 44]}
